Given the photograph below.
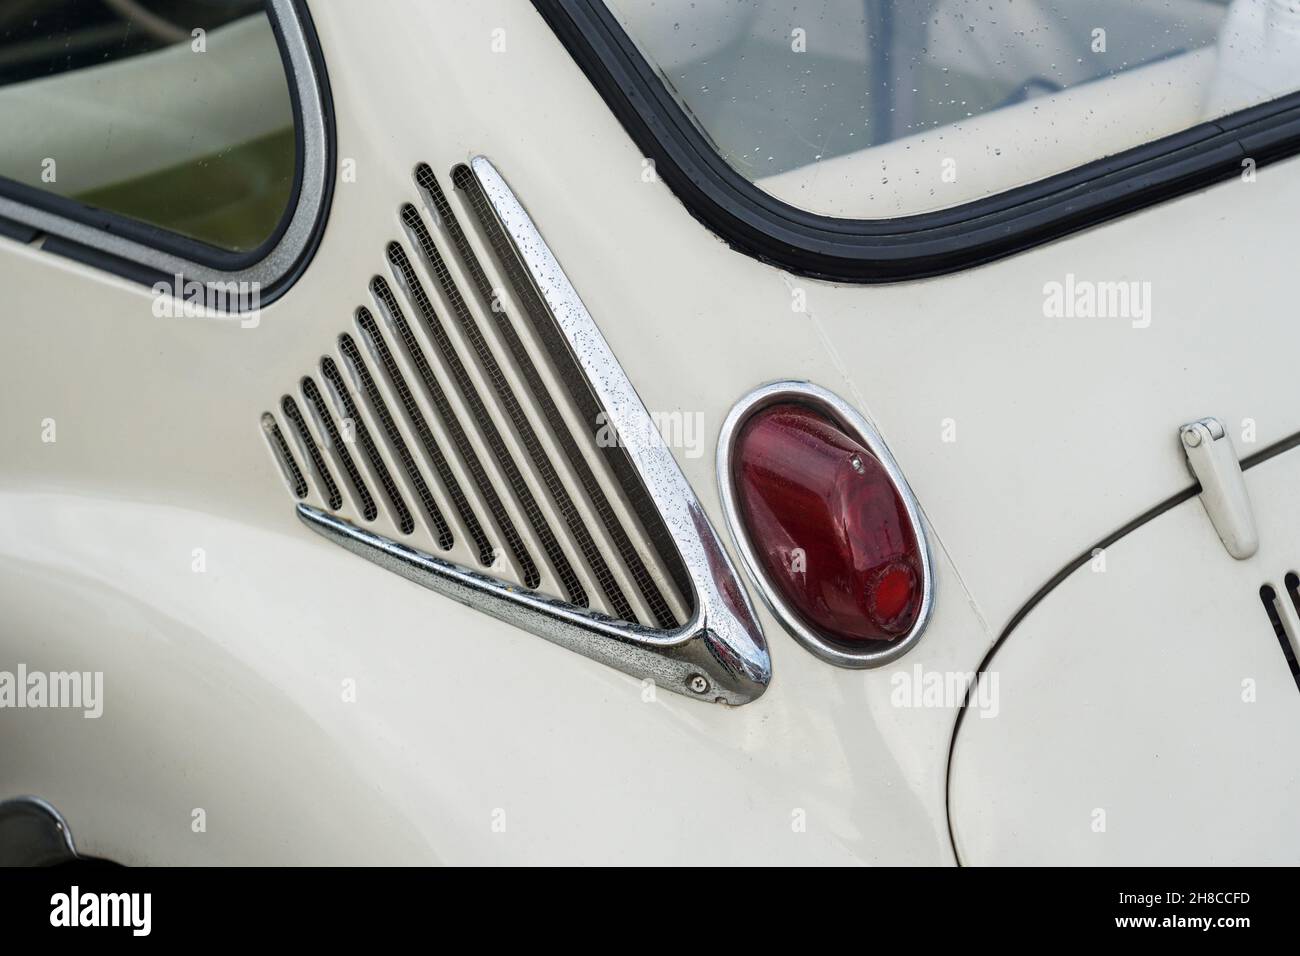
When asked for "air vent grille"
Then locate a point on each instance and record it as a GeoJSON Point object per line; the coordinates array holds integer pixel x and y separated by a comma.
{"type": "Point", "coordinates": [477, 433]}
{"type": "Point", "coordinates": [1284, 614]}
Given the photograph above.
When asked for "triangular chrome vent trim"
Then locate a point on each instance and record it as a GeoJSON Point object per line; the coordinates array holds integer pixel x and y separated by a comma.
{"type": "Point", "coordinates": [603, 551]}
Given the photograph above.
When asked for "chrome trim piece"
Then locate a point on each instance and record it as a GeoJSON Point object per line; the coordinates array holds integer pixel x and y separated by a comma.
{"type": "Point", "coordinates": [720, 653]}
{"type": "Point", "coordinates": [734, 671]}
{"type": "Point", "coordinates": [301, 71]}
{"type": "Point", "coordinates": [848, 418]}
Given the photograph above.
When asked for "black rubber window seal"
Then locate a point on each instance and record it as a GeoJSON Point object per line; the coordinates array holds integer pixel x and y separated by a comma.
{"type": "Point", "coordinates": [911, 247]}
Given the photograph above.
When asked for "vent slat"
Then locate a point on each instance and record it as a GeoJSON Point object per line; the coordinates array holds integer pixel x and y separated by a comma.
{"type": "Point", "coordinates": [360, 492]}
{"type": "Point", "coordinates": [487, 428]}
{"type": "Point", "coordinates": [401, 513]}
{"type": "Point", "coordinates": [284, 456]}
{"type": "Point", "coordinates": [437, 523]}
{"type": "Point", "coordinates": [397, 320]}
{"type": "Point", "coordinates": [632, 559]}
{"type": "Point", "coordinates": [1269, 598]}
{"type": "Point", "coordinates": [329, 490]}
{"type": "Point", "coordinates": [379, 348]}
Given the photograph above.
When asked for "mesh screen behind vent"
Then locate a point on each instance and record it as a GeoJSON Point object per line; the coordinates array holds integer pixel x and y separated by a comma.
{"type": "Point", "coordinates": [441, 421]}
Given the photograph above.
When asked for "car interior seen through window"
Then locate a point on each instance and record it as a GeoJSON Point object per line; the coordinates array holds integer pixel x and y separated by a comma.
{"type": "Point", "coordinates": [176, 114]}
{"type": "Point", "coordinates": [845, 108]}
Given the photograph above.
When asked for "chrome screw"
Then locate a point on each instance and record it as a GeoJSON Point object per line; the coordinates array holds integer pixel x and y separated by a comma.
{"type": "Point", "coordinates": [697, 684]}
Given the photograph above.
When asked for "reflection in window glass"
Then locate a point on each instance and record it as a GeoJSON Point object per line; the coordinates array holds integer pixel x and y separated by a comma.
{"type": "Point", "coordinates": [881, 108]}
{"type": "Point", "coordinates": [176, 113]}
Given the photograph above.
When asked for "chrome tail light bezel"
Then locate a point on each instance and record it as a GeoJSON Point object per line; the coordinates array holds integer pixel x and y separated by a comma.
{"type": "Point", "coordinates": [835, 652]}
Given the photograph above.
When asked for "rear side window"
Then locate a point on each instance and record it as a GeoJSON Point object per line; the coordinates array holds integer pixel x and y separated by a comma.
{"type": "Point", "coordinates": [883, 140]}
{"type": "Point", "coordinates": [173, 113]}
{"type": "Point", "coordinates": [875, 109]}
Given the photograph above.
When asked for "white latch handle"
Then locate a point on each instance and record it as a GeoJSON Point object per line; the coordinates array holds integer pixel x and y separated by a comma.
{"type": "Point", "coordinates": [1213, 461]}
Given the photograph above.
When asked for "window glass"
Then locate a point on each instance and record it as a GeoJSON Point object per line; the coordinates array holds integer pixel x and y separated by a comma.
{"type": "Point", "coordinates": [176, 113]}
{"type": "Point", "coordinates": [881, 108]}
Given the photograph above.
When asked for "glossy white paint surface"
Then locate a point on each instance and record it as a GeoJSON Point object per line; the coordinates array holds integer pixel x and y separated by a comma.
{"type": "Point", "coordinates": [224, 689]}
{"type": "Point", "coordinates": [1154, 692]}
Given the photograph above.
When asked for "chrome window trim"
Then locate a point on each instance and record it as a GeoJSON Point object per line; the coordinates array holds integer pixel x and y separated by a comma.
{"type": "Point", "coordinates": [848, 418]}
{"type": "Point", "coordinates": [720, 654]}
{"type": "Point", "coordinates": [307, 89]}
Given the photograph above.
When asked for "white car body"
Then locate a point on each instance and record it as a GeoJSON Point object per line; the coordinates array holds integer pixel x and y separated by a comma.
{"type": "Point", "coordinates": [1027, 439]}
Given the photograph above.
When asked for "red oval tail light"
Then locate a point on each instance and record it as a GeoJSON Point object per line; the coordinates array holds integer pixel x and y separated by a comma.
{"type": "Point", "coordinates": [827, 524]}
